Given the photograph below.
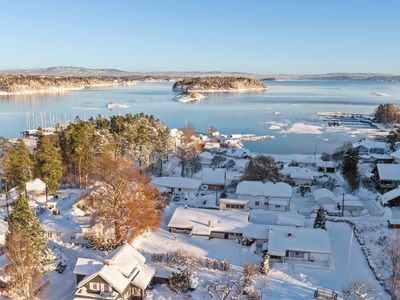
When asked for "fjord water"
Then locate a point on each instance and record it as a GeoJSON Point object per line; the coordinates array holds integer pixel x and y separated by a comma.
{"type": "Point", "coordinates": [257, 113]}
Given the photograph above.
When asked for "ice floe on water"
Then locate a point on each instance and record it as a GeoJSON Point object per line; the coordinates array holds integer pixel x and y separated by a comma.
{"type": "Point", "coordinates": [301, 128]}
{"type": "Point", "coordinates": [326, 140]}
{"type": "Point", "coordinates": [117, 105]}
{"type": "Point", "coordinates": [274, 127]}
{"type": "Point", "coordinates": [380, 94]}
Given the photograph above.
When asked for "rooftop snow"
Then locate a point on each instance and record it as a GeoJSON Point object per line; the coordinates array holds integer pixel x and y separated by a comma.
{"type": "Point", "coordinates": [302, 239]}
{"type": "Point", "coordinates": [197, 220]}
{"type": "Point", "coordinates": [234, 201]}
{"type": "Point", "coordinates": [86, 266]}
{"type": "Point", "coordinates": [290, 219]}
{"type": "Point", "coordinates": [66, 222]}
{"type": "Point", "coordinates": [233, 175]}
{"type": "Point", "coordinates": [370, 144]}
{"type": "Point", "coordinates": [256, 231]}
{"type": "Point", "coordinates": [36, 184]}
{"type": "Point", "coordinates": [302, 173]}
{"type": "Point", "coordinates": [267, 189]}
{"type": "Point", "coordinates": [396, 154]}
{"type": "Point", "coordinates": [388, 171]}
{"type": "Point", "coordinates": [213, 176]}
{"type": "Point", "coordinates": [324, 193]}
{"type": "Point", "coordinates": [385, 198]}
{"type": "Point", "coordinates": [176, 182]}
{"type": "Point", "coordinates": [308, 159]}
{"type": "Point", "coordinates": [278, 201]}
{"type": "Point", "coordinates": [326, 164]}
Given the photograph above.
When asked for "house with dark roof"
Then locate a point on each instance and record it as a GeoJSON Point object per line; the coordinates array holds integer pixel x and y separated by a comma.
{"type": "Point", "coordinates": [122, 274]}
{"type": "Point", "coordinates": [386, 176]}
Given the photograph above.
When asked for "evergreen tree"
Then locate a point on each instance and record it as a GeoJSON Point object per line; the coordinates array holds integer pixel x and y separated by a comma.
{"type": "Point", "coordinates": [179, 281]}
{"type": "Point", "coordinates": [320, 219]}
{"type": "Point", "coordinates": [21, 166]}
{"type": "Point", "coordinates": [50, 166]}
{"type": "Point", "coordinates": [264, 266]}
{"type": "Point", "coordinates": [5, 167]}
{"type": "Point", "coordinates": [350, 168]}
{"type": "Point", "coordinates": [26, 246]}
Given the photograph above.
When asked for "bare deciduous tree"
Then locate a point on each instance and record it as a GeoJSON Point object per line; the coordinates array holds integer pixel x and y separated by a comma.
{"type": "Point", "coordinates": [360, 289]}
{"type": "Point", "coordinates": [391, 248]}
{"type": "Point", "coordinates": [224, 288]}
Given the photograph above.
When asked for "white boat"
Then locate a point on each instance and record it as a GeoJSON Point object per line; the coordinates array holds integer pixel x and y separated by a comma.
{"type": "Point", "coordinates": [277, 113]}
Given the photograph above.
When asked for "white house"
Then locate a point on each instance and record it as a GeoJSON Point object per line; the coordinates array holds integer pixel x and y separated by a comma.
{"type": "Point", "coordinates": [366, 147]}
{"type": "Point", "coordinates": [36, 187]}
{"type": "Point", "coordinates": [265, 195]}
{"type": "Point", "coordinates": [206, 158]}
{"type": "Point", "coordinates": [326, 166]}
{"type": "Point", "coordinates": [212, 146]}
{"type": "Point", "coordinates": [332, 203]}
{"type": "Point", "coordinates": [213, 177]}
{"type": "Point", "coordinates": [122, 274]}
{"type": "Point", "coordinates": [305, 244]}
{"type": "Point", "coordinates": [69, 227]}
{"type": "Point", "coordinates": [241, 205]}
{"type": "Point", "coordinates": [302, 176]}
{"type": "Point", "coordinates": [177, 185]}
{"type": "Point", "coordinates": [308, 161]}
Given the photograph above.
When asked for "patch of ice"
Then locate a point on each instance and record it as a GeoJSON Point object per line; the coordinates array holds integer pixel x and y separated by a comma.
{"type": "Point", "coordinates": [116, 105]}
{"type": "Point", "coordinates": [301, 128]}
{"type": "Point", "coordinates": [326, 139]}
{"type": "Point", "coordinates": [274, 127]}
{"type": "Point", "coordinates": [380, 94]}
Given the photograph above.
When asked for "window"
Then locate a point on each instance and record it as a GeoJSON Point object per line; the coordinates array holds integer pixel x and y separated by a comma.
{"type": "Point", "coordinates": [94, 286]}
{"type": "Point", "coordinates": [297, 254]}
{"type": "Point", "coordinates": [277, 206]}
{"type": "Point", "coordinates": [58, 234]}
{"type": "Point", "coordinates": [231, 233]}
{"type": "Point", "coordinates": [49, 235]}
{"type": "Point", "coordinates": [136, 291]}
{"type": "Point", "coordinates": [72, 237]}
{"type": "Point", "coordinates": [241, 206]}
{"type": "Point", "coordinates": [265, 203]}
{"type": "Point", "coordinates": [110, 288]}
{"type": "Point", "coordinates": [257, 202]}
{"type": "Point", "coordinates": [228, 206]}
{"type": "Point", "coordinates": [238, 234]}
{"type": "Point", "coordinates": [179, 190]}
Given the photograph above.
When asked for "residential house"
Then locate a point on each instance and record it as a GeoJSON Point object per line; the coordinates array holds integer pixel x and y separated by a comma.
{"type": "Point", "coordinates": [285, 173]}
{"type": "Point", "coordinates": [382, 159]}
{"type": "Point", "coordinates": [242, 205]}
{"type": "Point", "coordinates": [386, 176]}
{"type": "Point", "coordinates": [327, 166]}
{"type": "Point", "coordinates": [396, 156]}
{"type": "Point", "coordinates": [71, 226]}
{"type": "Point", "coordinates": [302, 176]}
{"type": "Point", "coordinates": [213, 147]}
{"type": "Point", "coordinates": [391, 198]}
{"type": "Point", "coordinates": [206, 158]}
{"type": "Point", "coordinates": [122, 274]}
{"type": "Point", "coordinates": [367, 147]}
{"type": "Point", "coordinates": [304, 244]}
{"type": "Point", "coordinates": [308, 161]}
{"type": "Point", "coordinates": [265, 195]}
{"type": "Point", "coordinates": [222, 224]}
{"type": "Point", "coordinates": [176, 185]}
{"type": "Point", "coordinates": [213, 177]}
{"type": "Point", "coordinates": [333, 204]}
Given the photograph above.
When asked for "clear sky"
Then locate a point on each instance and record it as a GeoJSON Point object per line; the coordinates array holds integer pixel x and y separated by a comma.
{"type": "Point", "coordinates": [281, 36]}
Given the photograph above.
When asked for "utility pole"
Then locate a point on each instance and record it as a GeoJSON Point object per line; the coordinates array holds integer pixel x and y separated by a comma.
{"type": "Point", "coordinates": [343, 206]}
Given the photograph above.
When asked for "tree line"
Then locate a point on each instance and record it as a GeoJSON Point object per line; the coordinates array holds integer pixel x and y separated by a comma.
{"type": "Point", "coordinates": [206, 83]}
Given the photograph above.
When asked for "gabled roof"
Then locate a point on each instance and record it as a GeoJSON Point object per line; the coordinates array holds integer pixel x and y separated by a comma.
{"type": "Point", "coordinates": [385, 198]}
{"type": "Point", "coordinates": [267, 189]}
{"type": "Point", "coordinates": [396, 154]}
{"type": "Point", "coordinates": [67, 221]}
{"type": "Point", "coordinates": [370, 144]}
{"type": "Point", "coordinates": [324, 193]}
{"type": "Point", "coordinates": [291, 219]}
{"type": "Point", "coordinates": [388, 171]}
{"type": "Point", "coordinates": [36, 184]}
{"type": "Point", "coordinates": [302, 239]}
{"type": "Point", "coordinates": [213, 176]}
{"type": "Point", "coordinates": [302, 173]}
{"type": "Point", "coordinates": [124, 265]}
{"type": "Point", "coordinates": [176, 182]}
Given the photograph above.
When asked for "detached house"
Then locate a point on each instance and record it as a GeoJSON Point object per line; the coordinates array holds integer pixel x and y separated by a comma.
{"type": "Point", "coordinates": [366, 147]}
{"type": "Point", "coordinates": [122, 274]}
{"type": "Point", "coordinates": [265, 195]}
{"type": "Point", "coordinates": [386, 176]}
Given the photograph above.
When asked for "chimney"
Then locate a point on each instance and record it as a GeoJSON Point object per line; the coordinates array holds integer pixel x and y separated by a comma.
{"type": "Point", "coordinates": [209, 224]}
{"type": "Point", "coordinates": [289, 233]}
{"type": "Point", "coordinates": [107, 262]}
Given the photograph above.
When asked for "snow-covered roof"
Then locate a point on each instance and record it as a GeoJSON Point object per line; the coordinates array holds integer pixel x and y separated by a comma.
{"type": "Point", "coordinates": [65, 222]}
{"type": "Point", "coordinates": [256, 231]}
{"type": "Point", "coordinates": [382, 156]}
{"type": "Point", "coordinates": [206, 155]}
{"type": "Point", "coordinates": [290, 219]}
{"type": "Point", "coordinates": [176, 182]}
{"type": "Point", "coordinates": [118, 268]}
{"type": "Point", "coordinates": [388, 171]}
{"type": "Point", "coordinates": [308, 159]}
{"type": "Point", "coordinates": [326, 164]}
{"type": "Point", "coordinates": [396, 154]}
{"type": "Point", "coordinates": [370, 144]}
{"type": "Point", "coordinates": [35, 185]}
{"type": "Point", "coordinates": [278, 201]}
{"type": "Point", "coordinates": [212, 146]}
{"type": "Point", "coordinates": [324, 193]}
{"type": "Point", "coordinates": [385, 198]}
{"type": "Point", "coordinates": [288, 170]}
{"type": "Point", "coordinates": [213, 176]}
{"type": "Point", "coordinates": [176, 132]}
{"type": "Point", "coordinates": [302, 239]}
{"type": "Point", "coordinates": [197, 220]}
{"type": "Point", "coordinates": [234, 201]}
{"type": "Point", "coordinates": [394, 221]}
{"type": "Point", "coordinates": [267, 189]}
{"type": "Point", "coordinates": [302, 173]}
{"type": "Point", "coordinates": [233, 175]}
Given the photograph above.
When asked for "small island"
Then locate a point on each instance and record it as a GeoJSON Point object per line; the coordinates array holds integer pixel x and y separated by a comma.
{"type": "Point", "coordinates": [188, 96]}
{"type": "Point", "coordinates": [219, 84]}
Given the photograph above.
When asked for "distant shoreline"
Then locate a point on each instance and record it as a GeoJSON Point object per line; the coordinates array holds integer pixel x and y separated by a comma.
{"type": "Point", "coordinates": [220, 90]}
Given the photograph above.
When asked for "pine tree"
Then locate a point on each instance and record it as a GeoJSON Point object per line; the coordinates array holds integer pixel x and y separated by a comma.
{"type": "Point", "coordinates": [26, 249]}
{"type": "Point", "coordinates": [264, 267]}
{"type": "Point", "coordinates": [5, 167]}
{"type": "Point", "coordinates": [50, 166]}
{"type": "Point", "coordinates": [320, 219]}
{"type": "Point", "coordinates": [21, 166]}
{"type": "Point", "coordinates": [350, 168]}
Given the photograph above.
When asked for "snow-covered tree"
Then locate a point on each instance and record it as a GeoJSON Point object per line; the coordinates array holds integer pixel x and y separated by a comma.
{"type": "Point", "coordinates": [250, 270]}
{"type": "Point", "coordinates": [264, 266]}
{"type": "Point", "coordinates": [391, 250]}
{"type": "Point", "coordinates": [360, 290]}
{"type": "Point", "coordinates": [179, 282]}
{"type": "Point", "coordinates": [261, 167]}
{"type": "Point", "coordinates": [224, 288]}
{"type": "Point", "coordinates": [350, 168]}
{"type": "Point", "coordinates": [188, 149]}
{"type": "Point", "coordinates": [320, 219]}
{"type": "Point", "coordinates": [5, 146]}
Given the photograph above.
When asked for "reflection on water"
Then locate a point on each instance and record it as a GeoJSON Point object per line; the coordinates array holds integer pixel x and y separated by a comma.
{"type": "Point", "coordinates": [296, 101]}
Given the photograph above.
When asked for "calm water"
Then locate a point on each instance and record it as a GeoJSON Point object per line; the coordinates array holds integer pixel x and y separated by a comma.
{"type": "Point", "coordinates": [296, 101]}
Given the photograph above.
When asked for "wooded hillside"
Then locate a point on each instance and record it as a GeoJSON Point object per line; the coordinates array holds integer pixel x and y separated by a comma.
{"type": "Point", "coordinates": [218, 83]}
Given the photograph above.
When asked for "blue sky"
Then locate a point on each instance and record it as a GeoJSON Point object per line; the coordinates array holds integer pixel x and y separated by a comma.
{"type": "Point", "coordinates": [286, 36]}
